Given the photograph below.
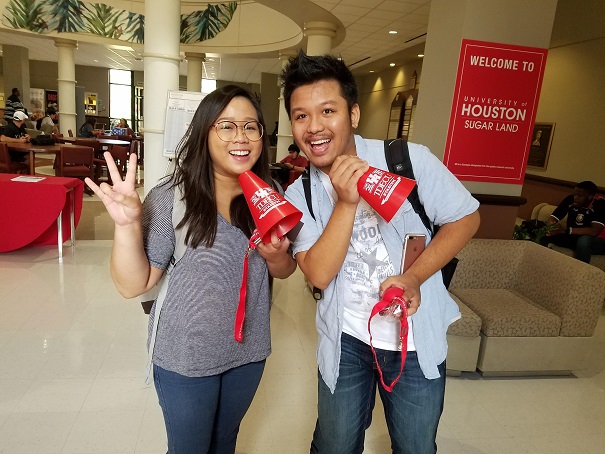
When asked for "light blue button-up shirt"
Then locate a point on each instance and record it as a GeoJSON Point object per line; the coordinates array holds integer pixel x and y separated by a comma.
{"type": "Point", "coordinates": [444, 199]}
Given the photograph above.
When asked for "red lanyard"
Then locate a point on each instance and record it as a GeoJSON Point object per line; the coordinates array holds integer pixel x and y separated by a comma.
{"type": "Point", "coordinates": [390, 296]}
{"type": "Point", "coordinates": [240, 315]}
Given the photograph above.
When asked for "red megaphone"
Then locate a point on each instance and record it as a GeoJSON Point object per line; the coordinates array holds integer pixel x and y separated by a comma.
{"type": "Point", "coordinates": [269, 209]}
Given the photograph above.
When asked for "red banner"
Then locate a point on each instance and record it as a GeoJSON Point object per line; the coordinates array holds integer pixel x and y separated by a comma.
{"type": "Point", "coordinates": [493, 111]}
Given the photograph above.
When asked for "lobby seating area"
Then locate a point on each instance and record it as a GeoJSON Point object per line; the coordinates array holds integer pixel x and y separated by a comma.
{"type": "Point", "coordinates": [537, 309]}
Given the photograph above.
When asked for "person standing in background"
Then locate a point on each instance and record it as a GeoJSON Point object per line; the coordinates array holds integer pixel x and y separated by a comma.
{"type": "Point", "coordinates": [14, 104]}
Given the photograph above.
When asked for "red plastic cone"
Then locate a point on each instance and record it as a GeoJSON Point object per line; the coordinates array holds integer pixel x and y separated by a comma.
{"type": "Point", "coordinates": [384, 191]}
{"type": "Point", "coordinates": [269, 209]}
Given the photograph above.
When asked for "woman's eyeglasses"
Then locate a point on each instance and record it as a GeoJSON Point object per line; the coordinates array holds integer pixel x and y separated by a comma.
{"type": "Point", "coordinates": [227, 130]}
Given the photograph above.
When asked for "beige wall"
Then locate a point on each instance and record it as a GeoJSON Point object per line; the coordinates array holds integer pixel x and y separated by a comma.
{"type": "Point", "coordinates": [376, 93]}
{"type": "Point", "coordinates": [573, 96]}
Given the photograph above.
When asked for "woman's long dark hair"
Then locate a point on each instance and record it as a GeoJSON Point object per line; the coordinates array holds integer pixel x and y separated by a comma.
{"type": "Point", "coordinates": [194, 170]}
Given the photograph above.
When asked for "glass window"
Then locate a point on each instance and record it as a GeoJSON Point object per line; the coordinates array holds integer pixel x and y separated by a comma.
{"type": "Point", "coordinates": [120, 101]}
{"type": "Point", "coordinates": [118, 76]}
{"type": "Point", "coordinates": [208, 85]}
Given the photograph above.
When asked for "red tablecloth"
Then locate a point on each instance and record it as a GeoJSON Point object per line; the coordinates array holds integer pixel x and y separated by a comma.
{"type": "Point", "coordinates": [29, 210]}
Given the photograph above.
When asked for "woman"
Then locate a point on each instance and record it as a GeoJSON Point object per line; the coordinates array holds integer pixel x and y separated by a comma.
{"type": "Point", "coordinates": [205, 380]}
{"type": "Point", "coordinates": [124, 124]}
{"type": "Point", "coordinates": [87, 130]}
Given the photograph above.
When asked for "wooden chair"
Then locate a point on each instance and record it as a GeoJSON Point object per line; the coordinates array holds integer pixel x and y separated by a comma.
{"type": "Point", "coordinates": [120, 154]}
{"type": "Point", "coordinates": [76, 162]}
{"type": "Point", "coordinates": [7, 165]}
{"type": "Point", "coordinates": [93, 143]}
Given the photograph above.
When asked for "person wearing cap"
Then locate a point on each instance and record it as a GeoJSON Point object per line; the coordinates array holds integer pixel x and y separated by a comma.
{"type": "Point", "coordinates": [14, 131]}
{"type": "Point", "coordinates": [14, 104]}
{"type": "Point", "coordinates": [51, 118]}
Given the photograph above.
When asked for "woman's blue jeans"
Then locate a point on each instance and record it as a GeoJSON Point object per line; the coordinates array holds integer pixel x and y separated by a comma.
{"type": "Point", "coordinates": [202, 414]}
{"type": "Point", "coordinates": [412, 410]}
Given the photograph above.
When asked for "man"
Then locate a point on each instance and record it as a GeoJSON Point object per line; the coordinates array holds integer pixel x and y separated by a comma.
{"type": "Point", "coordinates": [584, 231]}
{"type": "Point", "coordinates": [51, 118]}
{"type": "Point", "coordinates": [294, 161]}
{"type": "Point", "coordinates": [14, 131]}
{"type": "Point", "coordinates": [354, 255]}
{"type": "Point", "coordinates": [13, 104]}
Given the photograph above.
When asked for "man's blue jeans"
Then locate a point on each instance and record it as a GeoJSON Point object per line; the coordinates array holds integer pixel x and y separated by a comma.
{"type": "Point", "coordinates": [584, 245]}
{"type": "Point", "coordinates": [412, 410]}
{"type": "Point", "coordinates": [203, 414]}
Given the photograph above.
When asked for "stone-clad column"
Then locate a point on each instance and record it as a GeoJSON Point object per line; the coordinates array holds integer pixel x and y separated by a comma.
{"type": "Point", "coordinates": [195, 61]}
{"type": "Point", "coordinates": [66, 83]}
{"type": "Point", "coordinates": [161, 64]}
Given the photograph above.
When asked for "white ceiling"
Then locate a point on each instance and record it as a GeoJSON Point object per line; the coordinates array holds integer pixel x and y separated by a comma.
{"type": "Point", "coordinates": [366, 45]}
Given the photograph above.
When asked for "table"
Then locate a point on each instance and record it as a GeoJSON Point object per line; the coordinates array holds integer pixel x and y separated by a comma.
{"type": "Point", "coordinates": [100, 140]}
{"type": "Point", "coordinates": [39, 213]}
{"type": "Point", "coordinates": [33, 149]}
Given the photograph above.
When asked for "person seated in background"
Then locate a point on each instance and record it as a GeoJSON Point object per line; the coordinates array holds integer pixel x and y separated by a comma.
{"type": "Point", "coordinates": [123, 124]}
{"type": "Point", "coordinates": [87, 130]}
{"type": "Point", "coordinates": [51, 118]}
{"type": "Point", "coordinates": [584, 231]}
{"type": "Point", "coordinates": [291, 162]}
{"type": "Point", "coordinates": [294, 160]}
{"type": "Point", "coordinates": [14, 131]}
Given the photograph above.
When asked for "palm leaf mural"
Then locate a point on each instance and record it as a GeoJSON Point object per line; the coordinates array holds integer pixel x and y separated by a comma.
{"type": "Point", "coordinates": [206, 24]}
{"type": "Point", "coordinates": [104, 20]}
{"type": "Point", "coordinates": [77, 16]}
{"type": "Point", "coordinates": [135, 28]}
{"type": "Point", "coordinates": [67, 15]}
{"type": "Point", "coordinates": [27, 14]}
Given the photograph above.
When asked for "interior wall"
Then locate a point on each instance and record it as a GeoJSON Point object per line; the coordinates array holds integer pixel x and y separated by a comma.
{"type": "Point", "coordinates": [573, 93]}
{"type": "Point", "coordinates": [376, 93]}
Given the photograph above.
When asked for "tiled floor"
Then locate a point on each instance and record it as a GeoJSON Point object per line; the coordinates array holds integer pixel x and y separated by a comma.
{"type": "Point", "coordinates": [72, 354]}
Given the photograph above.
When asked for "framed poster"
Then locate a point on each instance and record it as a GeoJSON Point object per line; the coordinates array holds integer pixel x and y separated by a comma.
{"type": "Point", "coordinates": [541, 141]}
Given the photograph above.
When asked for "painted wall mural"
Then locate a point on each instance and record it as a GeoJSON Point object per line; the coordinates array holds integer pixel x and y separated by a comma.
{"type": "Point", "coordinates": [76, 16]}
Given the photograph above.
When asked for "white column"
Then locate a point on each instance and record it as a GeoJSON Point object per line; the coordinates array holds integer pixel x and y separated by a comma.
{"type": "Point", "coordinates": [66, 82]}
{"type": "Point", "coordinates": [161, 61]}
{"type": "Point", "coordinates": [194, 70]}
{"type": "Point", "coordinates": [284, 130]}
{"type": "Point", "coordinates": [319, 37]}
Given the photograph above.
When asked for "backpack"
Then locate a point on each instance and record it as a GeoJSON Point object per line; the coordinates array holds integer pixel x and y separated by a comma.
{"type": "Point", "coordinates": [397, 155]}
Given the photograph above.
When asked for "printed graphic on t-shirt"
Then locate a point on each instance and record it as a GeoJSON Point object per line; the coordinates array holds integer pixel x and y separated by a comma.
{"type": "Point", "coordinates": [367, 263]}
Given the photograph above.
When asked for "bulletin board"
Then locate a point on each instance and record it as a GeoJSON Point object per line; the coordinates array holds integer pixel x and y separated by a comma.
{"type": "Point", "coordinates": [180, 109]}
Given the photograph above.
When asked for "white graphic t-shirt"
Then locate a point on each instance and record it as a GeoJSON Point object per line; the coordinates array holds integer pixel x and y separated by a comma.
{"type": "Point", "coordinates": [366, 266]}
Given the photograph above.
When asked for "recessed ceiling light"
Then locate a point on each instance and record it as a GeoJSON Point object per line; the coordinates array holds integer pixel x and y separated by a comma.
{"type": "Point", "coordinates": [421, 55]}
{"type": "Point", "coordinates": [96, 61]}
{"type": "Point", "coordinates": [392, 32]}
{"type": "Point", "coordinates": [371, 70]}
{"type": "Point", "coordinates": [391, 64]}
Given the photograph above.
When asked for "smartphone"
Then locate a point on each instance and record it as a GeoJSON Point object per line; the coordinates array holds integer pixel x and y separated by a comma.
{"type": "Point", "coordinates": [413, 246]}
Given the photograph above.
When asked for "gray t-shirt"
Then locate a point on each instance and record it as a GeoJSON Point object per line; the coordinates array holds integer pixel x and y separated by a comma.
{"type": "Point", "coordinates": [195, 334]}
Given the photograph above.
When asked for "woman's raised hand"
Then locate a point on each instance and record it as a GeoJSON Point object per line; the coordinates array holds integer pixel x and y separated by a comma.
{"type": "Point", "coordinates": [121, 200]}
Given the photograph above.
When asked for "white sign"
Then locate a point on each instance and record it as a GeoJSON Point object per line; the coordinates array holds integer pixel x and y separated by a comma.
{"type": "Point", "coordinates": [180, 109]}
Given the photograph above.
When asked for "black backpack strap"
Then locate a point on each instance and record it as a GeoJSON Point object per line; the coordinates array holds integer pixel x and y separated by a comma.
{"type": "Point", "coordinates": [306, 182]}
{"type": "Point", "coordinates": [398, 159]}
